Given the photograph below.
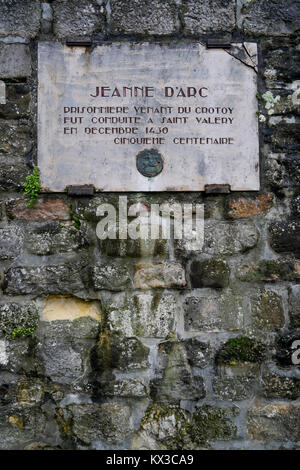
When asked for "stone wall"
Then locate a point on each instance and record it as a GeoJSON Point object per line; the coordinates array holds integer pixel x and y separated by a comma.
{"type": "Point", "coordinates": [134, 345]}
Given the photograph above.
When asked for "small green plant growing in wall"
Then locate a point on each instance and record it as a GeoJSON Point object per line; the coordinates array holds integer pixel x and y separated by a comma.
{"type": "Point", "coordinates": [32, 186]}
{"type": "Point", "coordinates": [22, 332]}
{"type": "Point", "coordinates": [74, 217]}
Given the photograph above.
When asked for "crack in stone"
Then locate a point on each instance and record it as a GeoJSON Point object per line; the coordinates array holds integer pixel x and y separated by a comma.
{"type": "Point", "coordinates": [241, 53]}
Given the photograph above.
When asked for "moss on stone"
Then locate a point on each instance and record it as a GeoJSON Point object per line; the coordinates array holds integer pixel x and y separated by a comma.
{"type": "Point", "coordinates": [194, 431]}
{"type": "Point", "coordinates": [209, 423]}
{"type": "Point", "coordinates": [18, 320]}
{"type": "Point", "coordinates": [241, 349]}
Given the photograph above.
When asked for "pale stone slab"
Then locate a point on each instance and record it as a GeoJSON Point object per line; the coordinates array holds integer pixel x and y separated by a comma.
{"type": "Point", "coordinates": [2, 93]}
{"type": "Point", "coordinates": [58, 307]}
{"type": "Point", "coordinates": [210, 138]}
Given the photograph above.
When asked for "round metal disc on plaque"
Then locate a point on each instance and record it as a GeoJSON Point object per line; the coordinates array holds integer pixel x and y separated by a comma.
{"type": "Point", "coordinates": [149, 162]}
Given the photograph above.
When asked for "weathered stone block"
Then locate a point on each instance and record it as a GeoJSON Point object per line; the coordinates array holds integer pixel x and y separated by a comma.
{"type": "Point", "coordinates": [207, 310]}
{"type": "Point", "coordinates": [64, 348]}
{"type": "Point", "coordinates": [169, 427]}
{"type": "Point", "coordinates": [61, 363]}
{"type": "Point", "coordinates": [283, 171]}
{"type": "Point", "coordinates": [134, 248]}
{"type": "Point", "coordinates": [51, 209]}
{"type": "Point", "coordinates": [210, 423]}
{"type": "Point", "coordinates": [77, 18]}
{"type": "Point", "coordinates": [157, 17]}
{"type": "Point", "coordinates": [279, 386]}
{"type": "Point", "coordinates": [222, 238]}
{"type": "Point", "coordinates": [20, 425]}
{"type": "Point", "coordinates": [22, 359]}
{"type": "Point", "coordinates": [280, 64]}
{"type": "Point", "coordinates": [285, 137]}
{"type": "Point", "coordinates": [176, 382]}
{"type": "Point", "coordinates": [113, 276]}
{"type": "Point", "coordinates": [242, 207]}
{"type": "Point", "coordinates": [275, 172]}
{"type": "Point", "coordinates": [12, 173]}
{"type": "Point", "coordinates": [11, 242]}
{"type": "Point", "coordinates": [236, 381]}
{"type": "Point", "coordinates": [199, 353]}
{"type": "Point", "coordinates": [59, 307]}
{"type": "Point", "coordinates": [294, 306]}
{"type": "Point", "coordinates": [17, 101]}
{"type": "Point", "coordinates": [54, 237]}
{"type": "Point", "coordinates": [15, 140]}
{"type": "Point", "coordinates": [51, 278]}
{"type": "Point", "coordinates": [13, 316]}
{"type": "Point", "coordinates": [28, 392]}
{"type": "Point", "coordinates": [160, 428]}
{"type": "Point", "coordinates": [163, 275]}
{"type": "Point", "coordinates": [144, 314]}
{"type": "Point", "coordinates": [20, 18]}
{"type": "Point", "coordinates": [274, 423]}
{"type": "Point", "coordinates": [267, 309]}
{"type": "Point", "coordinates": [208, 16]}
{"type": "Point", "coordinates": [262, 17]}
{"type": "Point", "coordinates": [270, 271]}
{"type": "Point", "coordinates": [15, 61]}
{"type": "Point", "coordinates": [113, 351]}
{"type": "Point", "coordinates": [285, 236]}
{"type": "Point", "coordinates": [209, 273]}
{"type": "Point", "coordinates": [110, 422]}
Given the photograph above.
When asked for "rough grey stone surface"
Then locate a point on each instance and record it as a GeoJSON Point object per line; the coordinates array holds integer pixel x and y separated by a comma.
{"type": "Point", "coordinates": [263, 17]}
{"type": "Point", "coordinates": [148, 314]}
{"type": "Point", "coordinates": [17, 97]}
{"type": "Point", "coordinates": [20, 18]}
{"type": "Point", "coordinates": [11, 242]}
{"type": "Point", "coordinates": [274, 423]}
{"type": "Point", "coordinates": [176, 382]}
{"type": "Point", "coordinates": [16, 140]}
{"type": "Point", "coordinates": [15, 61]}
{"type": "Point", "coordinates": [277, 386]}
{"type": "Point", "coordinates": [112, 276]}
{"type": "Point", "coordinates": [268, 312]}
{"type": "Point", "coordinates": [236, 381]}
{"type": "Point", "coordinates": [199, 353]}
{"type": "Point", "coordinates": [228, 239]}
{"type": "Point", "coordinates": [146, 17]}
{"type": "Point", "coordinates": [77, 17]}
{"type": "Point", "coordinates": [56, 278]}
{"type": "Point", "coordinates": [208, 310]}
{"type": "Point", "coordinates": [53, 237]}
{"type": "Point", "coordinates": [208, 16]}
{"type": "Point", "coordinates": [113, 351]}
{"type": "Point", "coordinates": [109, 422]}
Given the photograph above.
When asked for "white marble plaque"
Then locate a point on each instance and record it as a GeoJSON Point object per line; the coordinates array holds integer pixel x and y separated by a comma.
{"type": "Point", "coordinates": [193, 108]}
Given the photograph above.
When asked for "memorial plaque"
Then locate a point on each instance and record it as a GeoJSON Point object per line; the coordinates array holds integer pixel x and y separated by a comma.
{"type": "Point", "coordinates": [147, 117]}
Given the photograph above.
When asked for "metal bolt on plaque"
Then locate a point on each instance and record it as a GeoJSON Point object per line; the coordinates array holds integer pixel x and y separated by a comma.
{"type": "Point", "coordinates": [149, 162]}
